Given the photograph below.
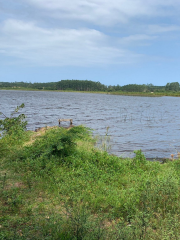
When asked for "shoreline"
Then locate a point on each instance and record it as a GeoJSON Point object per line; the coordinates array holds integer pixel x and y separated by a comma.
{"type": "Point", "coordinates": [138, 94]}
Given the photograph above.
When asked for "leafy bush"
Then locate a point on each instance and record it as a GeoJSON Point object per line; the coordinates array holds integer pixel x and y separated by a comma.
{"type": "Point", "coordinates": [48, 151]}
{"type": "Point", "coordinates": [13, 125]}
{"type": "Point", "coordinates": [13, 132]}
{"type": "Point", "coordinates": [139, 159]}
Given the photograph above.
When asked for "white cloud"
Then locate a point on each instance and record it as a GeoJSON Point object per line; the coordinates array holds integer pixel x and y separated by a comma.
{"type": "Point", "coordinates": [151, 33]}
{"type": "Point", "coordinates": [59, 47]}
{"type": "Point", "coordinates": [107, 12]}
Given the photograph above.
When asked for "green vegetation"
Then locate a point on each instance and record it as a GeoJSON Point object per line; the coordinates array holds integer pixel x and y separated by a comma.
{"type": "Point", "coordinates": [54, 184]}
{"type": "Point", "coordinates": [171, 89]}
{"type": "Point", "coordinates": [174, 86]}
{"type": "Point", "coordinates": [13, 125]}
{"type": "Point", "coordinates": [80, 85]}
{"type": "Point", "coordinates": [70, 85]}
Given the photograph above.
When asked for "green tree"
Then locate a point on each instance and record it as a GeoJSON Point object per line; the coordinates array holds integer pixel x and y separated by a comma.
{"type": "Point", "coordinates": [174, 86]}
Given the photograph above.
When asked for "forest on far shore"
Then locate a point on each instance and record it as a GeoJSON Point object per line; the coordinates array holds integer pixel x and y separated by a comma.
{"type": "Point", "coordinates": [87, 85]}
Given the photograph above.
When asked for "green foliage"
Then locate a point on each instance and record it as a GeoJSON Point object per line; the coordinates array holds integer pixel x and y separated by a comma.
{"type": "Point", "coordinates": [49, 151]}
{"type": "Point", "coordinates": [80, 85]}
{"type": "Point", "coordinates": [13, 132]}
{"type": "Point", "coordinates": [59, 186]}
{"type": "Point", "coordinates": [171, 89]}
{"type": "Point", "coordinates": [139, 159]}
{"type": "Point", "coordinates": [174, 86]}
{"type": "Point", "coordinates": [80, 224]}
{"type": "Point", "coordinates": [134, 88]}
{"type": "Point", "coordinates": [13, 125]}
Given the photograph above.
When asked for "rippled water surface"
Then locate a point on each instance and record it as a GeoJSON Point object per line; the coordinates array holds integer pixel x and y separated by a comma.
{"type": "Point", "coordinates": [147, 123]}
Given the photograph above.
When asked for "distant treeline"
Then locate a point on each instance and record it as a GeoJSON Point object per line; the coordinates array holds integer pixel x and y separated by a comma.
{"type": "Point", "coordinates": [86, 85]}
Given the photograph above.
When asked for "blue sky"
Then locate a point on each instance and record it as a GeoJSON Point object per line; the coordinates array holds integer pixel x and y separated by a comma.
{"type": "Point", "coordinates": [114, 42]}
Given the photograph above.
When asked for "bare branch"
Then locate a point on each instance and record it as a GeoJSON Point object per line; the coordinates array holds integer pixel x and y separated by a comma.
{"type": "Point", "coordinates": [3, 114]}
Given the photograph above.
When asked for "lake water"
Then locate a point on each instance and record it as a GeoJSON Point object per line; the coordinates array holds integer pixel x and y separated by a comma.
{"type": "Point", "coordinates": [151, 124]}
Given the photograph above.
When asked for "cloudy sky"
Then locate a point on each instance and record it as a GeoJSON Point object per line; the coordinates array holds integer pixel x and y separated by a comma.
{"type": "Point", "coordinates": [114, 42]}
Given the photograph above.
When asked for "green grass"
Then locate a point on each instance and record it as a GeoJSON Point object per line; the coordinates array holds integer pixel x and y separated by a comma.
{"type": "Point", "coordinates": [55, 184]}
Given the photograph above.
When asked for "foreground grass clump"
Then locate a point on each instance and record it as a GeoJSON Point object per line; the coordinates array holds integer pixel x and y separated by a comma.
{"type": "Point", "coordinates": [55, 184]}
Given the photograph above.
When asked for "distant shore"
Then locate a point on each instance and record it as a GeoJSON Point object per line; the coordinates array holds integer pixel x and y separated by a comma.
{"type": "Point", "coordinates": [143, 94]}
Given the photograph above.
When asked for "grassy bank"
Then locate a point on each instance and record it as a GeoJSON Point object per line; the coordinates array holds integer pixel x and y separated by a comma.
{"type": "Point", "coordinates": [45, 90]}
{"type": "Point", "coordinates": [148, 94]}
{"type": "Point", "coordinates": [145, 94]}
{"type": "Point", "coordinates": [55, 184]}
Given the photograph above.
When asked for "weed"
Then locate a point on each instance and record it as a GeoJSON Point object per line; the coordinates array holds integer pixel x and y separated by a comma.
{"type": "Point", "coordinates": [103, 142]}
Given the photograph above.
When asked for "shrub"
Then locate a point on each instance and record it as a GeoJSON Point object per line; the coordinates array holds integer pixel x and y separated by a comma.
{"type": "Point", "coordinates": [13, 125]}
